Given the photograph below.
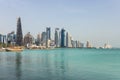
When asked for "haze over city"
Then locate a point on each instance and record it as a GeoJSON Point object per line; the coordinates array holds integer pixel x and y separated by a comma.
{"type": "Point", "coordinates": [96, 21]}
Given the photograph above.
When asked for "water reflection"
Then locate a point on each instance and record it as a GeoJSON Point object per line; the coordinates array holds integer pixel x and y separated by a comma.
{"type": "Point", "coordinates": [18, 66]}
{"type": "Point", "coordinates": [53, 65]}
{"type": "Point", "coordinates": [60, 65]}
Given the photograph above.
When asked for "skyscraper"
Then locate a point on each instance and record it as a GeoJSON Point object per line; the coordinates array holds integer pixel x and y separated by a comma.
{"type": "Point", "coordinates": [48, 33]}
{"type": "Point", "coordinates": [57, 37]}
{"type": "Point", "coordinates": [19, 35]}
{"type": "Point", "coordinates": [43, 39]}
{"type": "Point", "coordinates": [48, 36]}
{"type": "Point", "coordinates": [28, 39]}
{"type": "Point", "coordinates": [38, 40]}
{"type": "Point", "coordinates": [68, 40]}
{"type": "Point", "coordinates": [62, 37]}
{"type": "Point", "coordinates": [11, 37]}
{"type": "Point", "coordinates": [88, 45]}
{"type": "Point", "coordinates": [4, 39]}
{"type": "Point", "coordinates": [0, 38]}
{"type": "Point", "coordinates": [73, 43]}
{"type": "Point", "coordinates": [107, 46]}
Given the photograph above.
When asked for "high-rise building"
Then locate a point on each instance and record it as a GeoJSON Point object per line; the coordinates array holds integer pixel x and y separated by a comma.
{"type": "Point", "coordinates": [68, 40]}
{"type": "Point", "coordinates": [0, 38]}
{"type": "Point", "coordinates": [81, 45]}
{"type": "Point", "coordinates": [77, 44]}
{"type": "Point", "coordinates": [19, 35]}
{"type": "Point", "coordinates": [48, 36]}
{"type": "Point", "coordinates": [48, 33]}
{"type": "Point", "coordinates": [4, 39]}
{"type": "Point", "coordinates": [43, 36]}
{"type": "Point", "coordinates": [43, 39]}
{"type": "Point", "coordinates": [28, 39]}
{"type": "Point", "coordinates": [38, 40]}
{"type": "Point", "coordinates": [57, 37]}
{"type": "Point", "coordinates": [88, 45]}
{"type": "Point", "coordinates": [63, 38]}
{"type": "Point", "coordinates": [73, 43]}
{"type": "Point", "coordinates": [11, 38]}
{"type": "Point", "coordinates": [107, 46]}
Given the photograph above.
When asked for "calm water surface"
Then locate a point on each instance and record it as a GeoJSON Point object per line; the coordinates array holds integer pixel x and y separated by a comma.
{"type": "Point", "coordinates": [61, 64]}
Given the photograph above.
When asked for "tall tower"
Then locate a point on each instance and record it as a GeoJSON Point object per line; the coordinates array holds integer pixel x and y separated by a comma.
{"type": "Point", "coordinates": [38, 39]}
{"type": "Point", "coordinates": [28, 39]}
{"type": "Point", "coordinates": [57, 37]}
{"type": "Point", "coordinates": [88, 45]}
{"type": "Point", "coordinates": [48, 36]}
{"type": "Point", "coordinates": [19, 35]}
{"type": "Point", "coordinates": [43, 39]}
{"type": "Point", "coordinates": [48, 33]}
{"type": "Point", "coordinates": [63, 38]}
{"type": "Point", "coordinates": [68, 40]}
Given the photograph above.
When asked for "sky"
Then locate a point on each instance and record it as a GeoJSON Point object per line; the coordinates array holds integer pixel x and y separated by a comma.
{"type": "Point", "coordinates": [96, 21]}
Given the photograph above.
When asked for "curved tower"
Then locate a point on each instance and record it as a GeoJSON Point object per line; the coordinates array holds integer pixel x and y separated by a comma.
{"type": "Point", "coordinates": [19, 35]}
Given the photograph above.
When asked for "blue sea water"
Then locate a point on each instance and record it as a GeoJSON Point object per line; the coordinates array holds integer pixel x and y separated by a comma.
{"type": "Point", "coordinates": [61, 64]}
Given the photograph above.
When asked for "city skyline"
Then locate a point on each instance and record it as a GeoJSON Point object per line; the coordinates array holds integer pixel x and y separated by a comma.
{"type": "Point", "coordinates": [94, 21]}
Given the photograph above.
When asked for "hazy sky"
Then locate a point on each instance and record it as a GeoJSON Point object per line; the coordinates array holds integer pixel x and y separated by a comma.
{"type": "Point", "coordinates": [97, 21]}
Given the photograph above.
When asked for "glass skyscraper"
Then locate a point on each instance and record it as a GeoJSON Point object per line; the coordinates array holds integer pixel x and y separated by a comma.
{"type": "Point", "coordinates": [19, 35]}
{"type": "Point", "coordinates": [57, 37]}
{"type": "Point", "coordinates": [11, 37]}
{"type": "Point", "coordinates": [62, 37]}
{"type": "Point", "coordinates": [48, 33]}
{"type": "Point", "coordinates": [43, 38]}
{"type": "Point", "coordinates": [48, 36]}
